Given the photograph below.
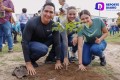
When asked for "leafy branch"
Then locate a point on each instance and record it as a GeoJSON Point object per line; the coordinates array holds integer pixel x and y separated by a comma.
{"type": "Point", "coordinates": [72, 26]}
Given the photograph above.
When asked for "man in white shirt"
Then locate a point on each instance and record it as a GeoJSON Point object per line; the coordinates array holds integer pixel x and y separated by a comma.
{"type": "Point", "coordinates": [64, 5]}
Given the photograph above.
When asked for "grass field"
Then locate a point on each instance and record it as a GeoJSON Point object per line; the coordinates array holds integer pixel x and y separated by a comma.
{"type": "Point", "coordinates": [18, 48]}
{"type": "Point", "coordinates": [113, 39]}
{"type": "Point", "coordinates": [18, 59]}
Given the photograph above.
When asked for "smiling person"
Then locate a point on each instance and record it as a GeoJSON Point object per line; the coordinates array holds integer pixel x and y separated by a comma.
{"type": "Point", "coordinates": [66, 39]}
{"type": "Point", "coordinates": [38, 36]}
{"type": "Point", "coordinates": [94, 33]}
{"type": "Point", "coordinates": [70, 18]}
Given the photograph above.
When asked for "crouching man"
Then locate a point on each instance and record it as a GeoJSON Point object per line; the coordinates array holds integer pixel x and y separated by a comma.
{"type": "Point", "coordinates": [38, 36]}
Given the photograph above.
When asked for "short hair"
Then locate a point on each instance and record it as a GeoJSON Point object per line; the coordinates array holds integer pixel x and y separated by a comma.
{"type": "Point", "coordinates": [84, 12]}
{"type": "Point", "coordinates": [49, 4]}
{"type": "Point", "coordinates": [71, 7]}
{"type": "Point", "coordinates": [39, 11]}
{"type": "Point", "coordinates": [24, 10]}
{"type": "Point", "coordinates": [63, 0]}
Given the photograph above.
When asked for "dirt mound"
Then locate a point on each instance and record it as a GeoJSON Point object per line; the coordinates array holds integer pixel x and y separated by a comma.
{"type": "Point", "coordinates": [47, 72]}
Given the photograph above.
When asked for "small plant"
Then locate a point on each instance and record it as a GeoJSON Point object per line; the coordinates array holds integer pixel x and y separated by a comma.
{"type": "Point", "coordinates": [72, 26]}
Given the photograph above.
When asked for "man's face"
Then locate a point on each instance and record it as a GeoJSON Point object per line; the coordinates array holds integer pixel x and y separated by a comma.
{"type": "Point", "coordinates": [47, 14]}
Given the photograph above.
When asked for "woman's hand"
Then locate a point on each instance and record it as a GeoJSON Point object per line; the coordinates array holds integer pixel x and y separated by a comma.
{"type": "Point", "coordinates": [98, 40]}
{"type": "Point", "coordinates": [74, 41]}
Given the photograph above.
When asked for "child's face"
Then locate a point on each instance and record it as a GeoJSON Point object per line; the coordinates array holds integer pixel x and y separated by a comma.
{"type": "Point", "coordinates": [71, 15]}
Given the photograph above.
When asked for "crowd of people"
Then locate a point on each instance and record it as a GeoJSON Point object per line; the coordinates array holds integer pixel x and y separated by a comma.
{"type": "Point", "coordinates": [38, 36]}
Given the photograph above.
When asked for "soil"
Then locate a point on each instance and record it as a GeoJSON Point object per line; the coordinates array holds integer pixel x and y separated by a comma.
{"type": "Point", "coordinates": [47, 72]}
{"type": "Point", "coordinates": [111, 71]}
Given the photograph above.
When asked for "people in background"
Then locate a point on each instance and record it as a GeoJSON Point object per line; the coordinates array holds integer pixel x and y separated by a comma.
{"type": "Point", "coordinates": [23, 18]}
{"type": "Point", "coordinates": [6, 10]}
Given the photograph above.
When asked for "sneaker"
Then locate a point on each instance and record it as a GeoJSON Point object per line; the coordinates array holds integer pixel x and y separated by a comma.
{"type": "Point", "coordinates": [102, 61]}
{"type": "Point", "coordinates": [10, 50]}
{"type": "Point", "coordinates": [73, 59]}
{"type": "Point", "coordinates": [50, 61]}
{"type": "Point", "coordinates": [93, 57]}
{"type": "Point", "coordinates": [0, 49]}
{"type": "Point", "coordinates": [15, 42]}
{"type": "Point", "coordinates": [34, 64]}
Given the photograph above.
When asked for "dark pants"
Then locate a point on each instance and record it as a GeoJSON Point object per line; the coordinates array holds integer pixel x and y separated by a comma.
{"type": "Point", "coordinates": [52, 55]}
{"type": "Point", "coordinates": [15, 36]}
{"type": "Point", "coordinates": [70, 44]}
{"type": "Point", "coordinates": [22, 27]}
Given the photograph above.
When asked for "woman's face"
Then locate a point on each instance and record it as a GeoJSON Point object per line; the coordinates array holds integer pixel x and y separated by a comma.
{"type": "Point", "coordinates": [71, 15]}
{"type": "Point", "coordinates": [86, 19]}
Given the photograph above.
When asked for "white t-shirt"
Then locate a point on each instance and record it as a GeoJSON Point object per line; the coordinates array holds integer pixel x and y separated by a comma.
{"type": "Point", "coordinates": [64, 7]}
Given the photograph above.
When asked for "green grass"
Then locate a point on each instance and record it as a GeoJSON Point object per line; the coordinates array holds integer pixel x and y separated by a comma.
{"type": "Point", "coordinates": [114, 38]}
{"type": "Point", "coordinates": [18, 48]}
{"type": "Point", "coordinates": [18, 58]}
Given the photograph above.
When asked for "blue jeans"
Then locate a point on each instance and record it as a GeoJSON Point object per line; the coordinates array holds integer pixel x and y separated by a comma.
{"type": "Point", "coordinates": [6, 28]}
{"type": "Point", "coordinates": [90, 49]}
{"type": "Point", "coordinates": [22, 27]}
{"type": "Point", "coordinates": [37, 50]}
{"type": "Point", "coordinates": [4, 38]}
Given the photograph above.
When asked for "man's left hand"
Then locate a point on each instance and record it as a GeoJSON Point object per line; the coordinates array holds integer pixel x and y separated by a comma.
{"type": "Point", "coordinates": [66, 63]}
{"type": "Point", "coordinates": [58, 65]}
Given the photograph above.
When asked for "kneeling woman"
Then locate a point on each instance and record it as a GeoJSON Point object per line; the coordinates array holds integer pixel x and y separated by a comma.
{"type": "Point", "coordinates": [94, 32]}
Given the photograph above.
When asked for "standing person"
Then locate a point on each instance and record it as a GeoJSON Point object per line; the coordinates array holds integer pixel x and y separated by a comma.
{"type": "Point", "coordinates": [64, 5]}
{"type": "Point", "coordinates": [38, 36]}
{"type": "Point", "coordinates": [63, 10]}
{"type": "Point", "coordinates": [23, 19]}
{"type": "Point", "coordinates": [94, 32]}
{"type": "Point", "coordinates": [15, 28]}
{"type": "Point", "coordinates": [118, 20]}
{"type": "Point", "coordinates": [48, 1]}
{"type": "Point", "coordinates": [6, 9]}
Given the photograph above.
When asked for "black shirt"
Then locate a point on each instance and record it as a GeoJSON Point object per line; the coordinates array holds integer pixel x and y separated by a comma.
{"type": "Point", "coordinates": [35, 30]}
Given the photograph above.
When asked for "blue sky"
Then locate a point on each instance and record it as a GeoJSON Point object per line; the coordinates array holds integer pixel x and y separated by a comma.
{"type": "Point", "coordinates": [34, 5]}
